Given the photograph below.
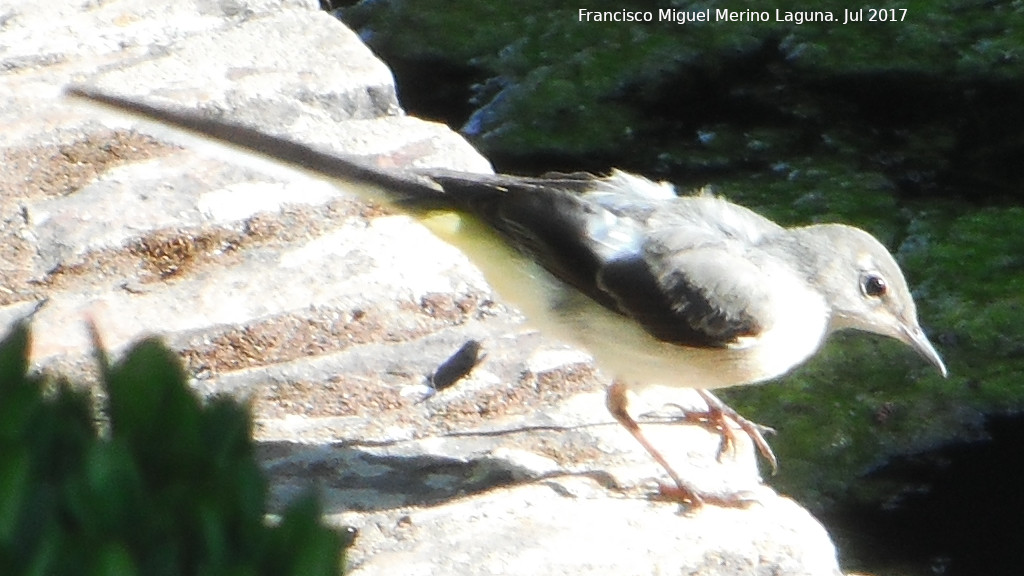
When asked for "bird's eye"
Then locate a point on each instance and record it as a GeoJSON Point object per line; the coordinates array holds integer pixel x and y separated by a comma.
{"type": "Point", "coordinates": [873, 286]}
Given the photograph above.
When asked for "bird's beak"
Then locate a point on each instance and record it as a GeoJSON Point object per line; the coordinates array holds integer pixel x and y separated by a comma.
{"type": "Point", "coordinates": [913, 336]}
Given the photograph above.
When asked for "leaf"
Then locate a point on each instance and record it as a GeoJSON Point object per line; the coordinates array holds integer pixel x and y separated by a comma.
{"type": "Point", "coordinates": [14, 353]}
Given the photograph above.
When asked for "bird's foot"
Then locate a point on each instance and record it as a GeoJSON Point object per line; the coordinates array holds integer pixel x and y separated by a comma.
{"type": "Point", "coordinates": [694, 500]}
{"type": "Point", "coordinates": [718, 417]}
{"type": "Point", "coordinates": [679, 492]}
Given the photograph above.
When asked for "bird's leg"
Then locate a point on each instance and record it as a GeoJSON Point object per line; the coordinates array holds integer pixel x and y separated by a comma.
{"type": "Point", "coordinates": [618, 404]}
{"type": "Point", "coordinates": [719, 415]}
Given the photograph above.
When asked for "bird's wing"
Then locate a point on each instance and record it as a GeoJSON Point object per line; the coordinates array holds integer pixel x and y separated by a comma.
{"type": "Point", "coordinates": [678, 266]}
{"type": "Point", "coordinates": [700, 278]}
{"type": "Point", "coordinates": [711, 295]}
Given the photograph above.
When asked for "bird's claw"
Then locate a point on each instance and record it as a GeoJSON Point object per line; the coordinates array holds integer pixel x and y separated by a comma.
{"type": "Point", "coordinates": [718, 416]}
{"type": "Point", "coordinates": [694, 500]}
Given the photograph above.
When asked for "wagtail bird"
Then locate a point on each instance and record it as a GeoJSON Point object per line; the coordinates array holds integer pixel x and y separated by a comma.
{"type": "Point", "coordinates": [688, 291]}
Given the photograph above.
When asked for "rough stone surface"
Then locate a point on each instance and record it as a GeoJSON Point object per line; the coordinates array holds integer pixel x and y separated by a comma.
{"type": "Point", "coordinates": [328, 312]}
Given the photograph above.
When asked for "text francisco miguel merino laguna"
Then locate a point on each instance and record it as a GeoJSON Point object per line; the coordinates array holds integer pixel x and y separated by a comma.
{"type": "Point", "coordinates": [726, 15]}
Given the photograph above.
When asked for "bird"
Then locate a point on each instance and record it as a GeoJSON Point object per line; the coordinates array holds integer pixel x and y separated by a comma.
{"type": "Point", "coordinates": [662, 288]}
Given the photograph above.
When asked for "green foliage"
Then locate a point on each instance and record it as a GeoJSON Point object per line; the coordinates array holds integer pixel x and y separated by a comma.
{"type": "Point", "coordinates": [174, 489]}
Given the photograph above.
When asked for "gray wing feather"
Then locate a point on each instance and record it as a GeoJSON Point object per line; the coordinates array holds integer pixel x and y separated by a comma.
{"type": "Point", "coordinates": [714, 288]}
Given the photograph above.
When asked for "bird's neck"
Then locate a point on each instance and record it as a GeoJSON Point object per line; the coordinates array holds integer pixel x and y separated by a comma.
{"type": "Point", "coordinates": [812, 257]}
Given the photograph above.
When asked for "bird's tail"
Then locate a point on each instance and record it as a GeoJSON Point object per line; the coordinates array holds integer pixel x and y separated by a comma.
{"type": "Point", "coordinates": [411, 191]}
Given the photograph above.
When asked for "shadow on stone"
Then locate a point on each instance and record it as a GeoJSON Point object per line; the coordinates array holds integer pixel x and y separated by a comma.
{"type": "Point", "coordinates": [371, 478]}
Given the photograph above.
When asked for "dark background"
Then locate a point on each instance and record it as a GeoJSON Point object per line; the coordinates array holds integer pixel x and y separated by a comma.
{"type": "Point", "coordinates": [912, 130]}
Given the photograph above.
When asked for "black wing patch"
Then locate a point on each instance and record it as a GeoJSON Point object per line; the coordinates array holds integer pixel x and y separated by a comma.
{"type": "Point", "coordinates": [672, 309]}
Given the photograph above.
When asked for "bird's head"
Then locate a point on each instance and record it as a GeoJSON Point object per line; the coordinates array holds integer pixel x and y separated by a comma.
{"type": "Point", "coordinates": [865, 287]}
